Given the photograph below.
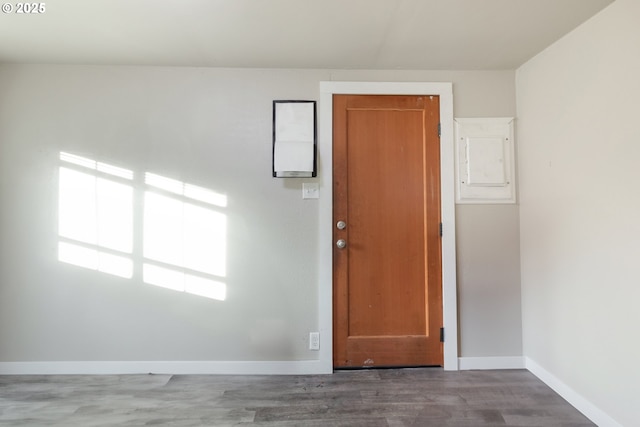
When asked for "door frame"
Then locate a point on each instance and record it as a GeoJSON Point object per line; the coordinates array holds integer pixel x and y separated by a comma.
{"type": "Point", "coordinates": [447, 206]}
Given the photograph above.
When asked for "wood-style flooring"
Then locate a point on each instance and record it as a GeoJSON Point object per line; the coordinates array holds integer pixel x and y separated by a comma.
{"type": "Point", "coordinates": [386, 397]}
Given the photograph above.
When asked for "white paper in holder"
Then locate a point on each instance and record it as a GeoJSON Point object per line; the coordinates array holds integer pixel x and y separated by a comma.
{"type": "Point", "coordinates": [293, 156]}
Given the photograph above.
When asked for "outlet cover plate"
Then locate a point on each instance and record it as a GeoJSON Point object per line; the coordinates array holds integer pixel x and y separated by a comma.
{"type": "Point", "coordinates": [314, 340]}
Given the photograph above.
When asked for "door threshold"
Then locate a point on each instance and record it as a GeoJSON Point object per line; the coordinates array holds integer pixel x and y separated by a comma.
{"type": "Point", "coordinates": [368, 368]}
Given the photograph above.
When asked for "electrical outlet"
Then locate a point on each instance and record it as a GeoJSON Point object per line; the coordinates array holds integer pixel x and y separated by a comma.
{"type": "Point", "coordinates": [314, 340]}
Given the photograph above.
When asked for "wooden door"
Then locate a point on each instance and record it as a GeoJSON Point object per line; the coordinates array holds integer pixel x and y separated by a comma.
{"type": "Point", "coordinates": [387, 279]}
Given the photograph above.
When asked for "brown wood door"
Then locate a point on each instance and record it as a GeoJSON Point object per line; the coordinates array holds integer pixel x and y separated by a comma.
{"type": "Point", "coordinates": [387, 280]}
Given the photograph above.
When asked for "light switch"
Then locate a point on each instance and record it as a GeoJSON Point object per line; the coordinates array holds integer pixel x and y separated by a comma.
{"type": "Point", "coordinates": [310, 190]}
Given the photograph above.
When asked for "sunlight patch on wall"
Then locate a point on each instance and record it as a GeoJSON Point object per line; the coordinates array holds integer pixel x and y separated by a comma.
{"type": "Point", "coordinates": [95, 216]}
{"type": "Point", "coordinates": [183, 282]}
{"type": "Point", "coordinates": [182, 233]}
{"type": "Point", "coordinates": [188, 190]}
{"type": "Point", "coordinates": [99, 166]}
{"type": "Point", "coordinates": [95, 260]}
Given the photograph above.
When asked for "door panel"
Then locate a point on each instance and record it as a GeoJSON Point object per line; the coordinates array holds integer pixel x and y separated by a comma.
{"type": "Point", "coordinates": [387, 280]}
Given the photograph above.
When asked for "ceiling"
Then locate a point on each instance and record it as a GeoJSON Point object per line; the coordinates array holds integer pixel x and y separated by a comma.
{"type": "Point", "coordinates": [350, 34]}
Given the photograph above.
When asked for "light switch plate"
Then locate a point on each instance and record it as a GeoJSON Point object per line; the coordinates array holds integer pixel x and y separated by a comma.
{"type": "Point", "coordinates": [310, 190]}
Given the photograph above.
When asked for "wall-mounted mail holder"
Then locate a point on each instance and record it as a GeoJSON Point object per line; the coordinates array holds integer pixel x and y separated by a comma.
{"type": "Point", "coordinates": [294, 139]}
{"type": "Point", "coordinates": [485, 161]}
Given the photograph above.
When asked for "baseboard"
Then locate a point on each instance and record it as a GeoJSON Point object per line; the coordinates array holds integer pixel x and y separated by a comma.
{"type": "Point", "coordinates": [587, 408]}
{"type": "Point", "coordinates": [510, 362]}
{"type": "Point", "coordinates": [304, 367]}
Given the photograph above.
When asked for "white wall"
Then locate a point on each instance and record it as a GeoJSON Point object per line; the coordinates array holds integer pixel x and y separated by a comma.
{"type": "Point", "coordinates": [488, 281]}
{"type": "Point", "coordinates": [212, 128]}
{"type": "Point", "coordinates": [579, 142]}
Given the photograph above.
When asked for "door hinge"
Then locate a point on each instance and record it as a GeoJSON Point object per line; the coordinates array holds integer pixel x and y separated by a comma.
{"type": "Point", "coordinates": [441, 334]}
{"type": "Point", "coordinates": [440, 230]}
{"type": "Point", "coordinates": [439, 129]}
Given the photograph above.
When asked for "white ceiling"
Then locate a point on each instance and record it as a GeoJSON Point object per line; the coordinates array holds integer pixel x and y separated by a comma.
{"type": "Point", "coordinates": [352, 34]}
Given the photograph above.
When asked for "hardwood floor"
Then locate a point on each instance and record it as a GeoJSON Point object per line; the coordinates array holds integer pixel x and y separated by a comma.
{"type": "Point", "coordinates": [388, 397]}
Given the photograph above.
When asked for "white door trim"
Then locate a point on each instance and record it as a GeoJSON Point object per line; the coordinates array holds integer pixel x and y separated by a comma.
{"type": "Point", "coordinates": [447, 194]}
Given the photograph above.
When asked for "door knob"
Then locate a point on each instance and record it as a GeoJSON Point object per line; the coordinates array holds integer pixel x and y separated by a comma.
{"type": "Point", "coordinates": [341, 243]}
{"type": "Point", "coordinates": [341, 225]}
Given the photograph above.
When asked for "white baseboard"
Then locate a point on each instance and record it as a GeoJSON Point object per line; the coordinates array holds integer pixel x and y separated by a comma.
{"type": "Point", "coordinates": [510, 362]}
{"type": "Point", "coordinates": [589, 410]}
{"type": "Point", "coordinates": [304, 367]}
